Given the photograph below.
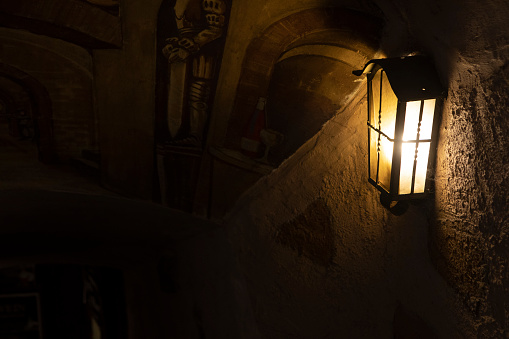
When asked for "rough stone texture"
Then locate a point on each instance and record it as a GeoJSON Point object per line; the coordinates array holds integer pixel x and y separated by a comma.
{"type": "Point", "coordinates": [472, 193]}
{"type": "Point", "coordinates": [444, 261]}
{"type": "Point", "coordinates": [321, 257]}
{"type": "Point", "coordinates": [469, 230]}
{"type": "Point", "coordinates": [378, 261]}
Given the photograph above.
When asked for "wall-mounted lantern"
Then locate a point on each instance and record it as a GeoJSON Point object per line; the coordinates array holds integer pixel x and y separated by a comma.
{"type": "Point", "coordinates": [404, 103]}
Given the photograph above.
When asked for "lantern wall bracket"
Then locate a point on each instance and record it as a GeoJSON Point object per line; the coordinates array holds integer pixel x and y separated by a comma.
{"type": "Point", "coordinates": [398, 207]}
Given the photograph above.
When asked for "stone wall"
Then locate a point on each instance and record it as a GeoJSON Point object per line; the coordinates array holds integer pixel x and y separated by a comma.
{"type": "Point", "coordinates": [470, 224]}
{"type": "Point", "coordinates": [472, 218]}
{"type": "Point", "coordinates": [323, 258]}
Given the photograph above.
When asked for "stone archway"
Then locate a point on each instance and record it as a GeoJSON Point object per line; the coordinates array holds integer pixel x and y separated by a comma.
{"type": "Point", "coordinates": [354, 32]}
{"type": "Point", "coordinates": [41, 110]}
{"type": "Point", "coordinates": [232, 173]}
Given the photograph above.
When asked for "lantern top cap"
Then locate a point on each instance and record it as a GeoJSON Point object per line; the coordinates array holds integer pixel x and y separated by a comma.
{"type": "Point", "coordinates": [411, 78]}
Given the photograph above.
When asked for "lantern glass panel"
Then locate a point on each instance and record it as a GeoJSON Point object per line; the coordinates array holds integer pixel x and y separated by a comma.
{"type": "Point", "coordinates": [385, 163]}
{"type": "Point", "coordinates": [374, 108]}
{"type": "Point", "coordinates": [428, 114]}
{"type": "Point", "coordinates": [382, 118]}
{"type": "Point", "coordinates": [416, 146]}
{"type": "Point", "coordinates": [389, 108]}
{"type": "Point", "coordinates": [412, 120]}
{"type": "Point", "coordinates": [407, 167]}
{"type": "Point", "coordinates": [421, 168]}
{"type": "Point", "coordinates": [375, 101]}
{"type": "Point", "coordinates": [373, 159]}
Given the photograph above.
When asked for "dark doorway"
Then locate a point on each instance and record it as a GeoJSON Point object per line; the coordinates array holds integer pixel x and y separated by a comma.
{"type": "Point", "coordinates": [27, 111]}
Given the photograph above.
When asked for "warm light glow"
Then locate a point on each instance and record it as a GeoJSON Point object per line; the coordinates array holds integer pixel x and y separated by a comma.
{"type": "Point", "coordinates": [403, 95]}
{"type": "Point", "coordinates": [385, 122]}
{"type": "Point", "coordinates": [407, 167]}
{"type": "Point", "coordinates": [373, 160]}
{"type": "Point", "coordinates": [384, 175]}
{"type": "Point", "coordinates": [389, 108]}
{"type": "Point", "coordinates": [412, 132]}
{"type": "Point", "coordinates": [382, 117]}
{"type": "Point", "coordinates": [412, 120]}
{"type": "Point", "coordinates": [416, 137]}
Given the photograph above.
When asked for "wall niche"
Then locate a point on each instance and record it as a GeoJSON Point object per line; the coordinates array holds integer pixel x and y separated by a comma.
{"type": "Point", "coordinates": [302, 64]}
{"type": "Point", "coordinates": [311, 82]}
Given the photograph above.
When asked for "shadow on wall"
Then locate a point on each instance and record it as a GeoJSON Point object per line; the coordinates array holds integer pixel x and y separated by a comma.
{"type": "Point", "coordinates": [310, 234]}
{"type": "Point", "coordinates": [179, 273]}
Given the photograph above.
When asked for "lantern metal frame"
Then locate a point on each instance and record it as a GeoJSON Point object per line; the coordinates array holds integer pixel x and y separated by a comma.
{"type": "Point", "coordinates": [411, 78]}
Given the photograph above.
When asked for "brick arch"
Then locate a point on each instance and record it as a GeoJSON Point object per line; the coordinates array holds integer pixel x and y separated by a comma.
{"type": "Point", "coordinates": [41, 109]}
{"type": "Point", "coordinates": [264, 51]}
